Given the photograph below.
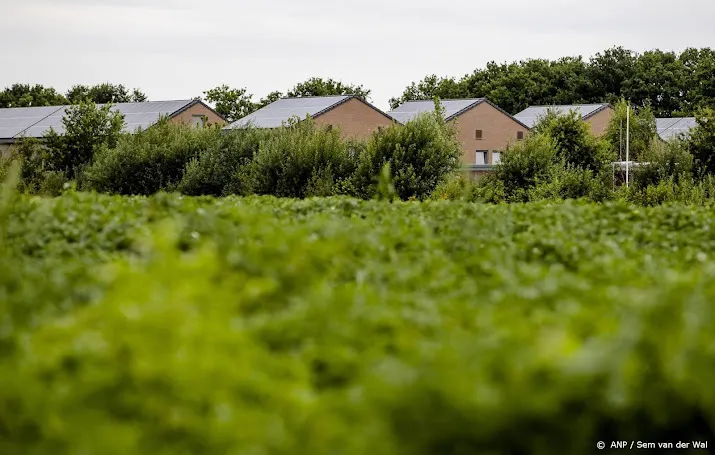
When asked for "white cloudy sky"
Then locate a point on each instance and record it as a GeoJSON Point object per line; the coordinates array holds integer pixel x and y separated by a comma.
{"type": "Point", "coordinates": [176, 49]}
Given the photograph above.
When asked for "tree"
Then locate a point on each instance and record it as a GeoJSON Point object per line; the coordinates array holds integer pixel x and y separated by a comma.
{"type": "Point", "coordinates": [26, 95]}
{"type": "Point", "coordinates": [270, 98]}
{"type": "Point", "coordinates": [105, 93]}
{"type": "Point", "coordinates": [701, 142]}
{"type": "Point", "coordinates": [575, 145]}
{"type": "Point", "coordinates": [316, 86]}
{"type": "Point", "coordinates": [87, 129]}
{"type": "Point", "coordinates": [608, 71]}
{"type": "Point", "coordinates": [420, 155]}
{"type": "Point", "coordinates": [658, 81]}
{"type": "Point", "coordinates": [232, 103]}
{"type": "Point", "coordinates": [643, 132]}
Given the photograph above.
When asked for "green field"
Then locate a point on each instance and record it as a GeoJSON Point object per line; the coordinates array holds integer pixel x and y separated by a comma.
{"type": "Point", "coordinates": [261, 326]}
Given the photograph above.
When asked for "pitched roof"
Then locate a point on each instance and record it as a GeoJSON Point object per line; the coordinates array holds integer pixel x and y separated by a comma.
{"type": "Point", "coordinates": [671, 127]}
{"type": "Point", "coordinates": [36, 121]}
{"type": "Point", "coordinates": [452, 109]}
{"type": "Point", "coordinates": [280, 111]}
{"type": "Point", "coordinates": [532, 114]}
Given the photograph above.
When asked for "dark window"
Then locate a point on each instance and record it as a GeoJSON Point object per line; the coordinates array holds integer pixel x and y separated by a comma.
{"type": "Point", "coordinates": [519, 135]}
{"type": "Point", "coordinates": [478, 134]}
{"type": "Point", "coordinates": [482, 157]}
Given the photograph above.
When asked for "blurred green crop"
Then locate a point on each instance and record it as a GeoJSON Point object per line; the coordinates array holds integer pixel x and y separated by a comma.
{"type": "Point", "coordinates": [260, 326]}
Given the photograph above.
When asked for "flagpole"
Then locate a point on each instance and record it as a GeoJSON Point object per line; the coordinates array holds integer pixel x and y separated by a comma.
{"type": "Point", "coordinates": [628, 131]}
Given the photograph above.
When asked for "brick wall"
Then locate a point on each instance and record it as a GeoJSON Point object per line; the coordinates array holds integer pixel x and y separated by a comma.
{"type": "Point", "coordinates": [354, 118]}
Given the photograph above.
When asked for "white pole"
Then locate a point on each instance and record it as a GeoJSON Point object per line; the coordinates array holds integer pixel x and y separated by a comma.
{"type": "Point", "coordinates": [628, 132]}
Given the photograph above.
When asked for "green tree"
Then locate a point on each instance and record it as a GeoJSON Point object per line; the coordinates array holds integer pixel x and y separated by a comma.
{"type": "Point", "coordinates": [701, 142]}
{"type": "Point", "coordinates": [658, 81]}
{"type": "Point", "coordinates": [270, 98]}
{"type": "Point", "coordinates": [575, 145]}
{"type": "Point", "coordinates": [607, 73]}
{"type": "Point", "coordinates": [317, 86]}
{"type": "Point", "coordinates": [26, 95]}
{"type": "Point", "coordinates": [105, 93]}
{"type": "Point", "coordinates": [643, 131]}
{"type": "Point", "coordinates": [421, 154]}
{"type": "Point", "coordinates": [87, 129]}
{"type": "Point", "coordinates": [699, 80]}
{"type": "Point", "coordinates": [232, 103]}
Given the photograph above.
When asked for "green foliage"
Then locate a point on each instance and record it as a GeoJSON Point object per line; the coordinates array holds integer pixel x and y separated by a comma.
{"type": "Point", "coordinates": [215, 171]}
{"type": "Point", "coordinates": [671, 84]}
{"type": "Point", "coordinates": [422, 153]}
{"type": "Point", "coordinates": [150, 161]}
{"type": "Point", "coordinates": [701, 142]}
{"type": "Point", "coordinates": [26, 95]}
{"type": "Point", "coordinates": [171, 325]}
{"type": "Point", "coordinates": [104, 94]}
{"type": "Point", "coordinates": [575, 145]}
{"type": "Point", "coordinates": [643, 135]}
{"type": "Point", "coordinates": [664, 161]}
{"type": "Point", "coordinates": [316, 86]}
{"type": "Point", "coordinates": [523, 165]}
{"type": "Point", "coordinates": [231, 103]}
{"type": "Point", "coordinates": [301, 160]}
{"type": "Point", "coordinates": [87, 129]}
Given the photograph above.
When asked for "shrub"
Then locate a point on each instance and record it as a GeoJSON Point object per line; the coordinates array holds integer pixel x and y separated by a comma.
{"type": "Point", "coordinates": [523, 165]}
{"type": "Point", "coordinates": [87, 128]}
{"type": "Point", "coordinates": [664, 161]}
{"type": "Point", "coordinates": [701, 142]}
{"type": "Point", "coordinates": [149, 161]}
{"type": "Point", "coordinates": [574, 143]}
{"type": "Point", "coordinates": [643, 133]}
{"type": "Point", "coordinates": [421, 154]}
{"type": "Point", "coordinates": [215, 168]}
{"type": "Point", "coordinates": [301, 160]}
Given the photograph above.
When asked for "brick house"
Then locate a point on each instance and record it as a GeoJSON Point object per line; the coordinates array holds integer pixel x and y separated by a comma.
{"type": "Point", "coordinates": [19, 122]}
{"type": "Point", "coordinates": [483, 128]}
{"type": "Point", "coordinates": [355, 117]}
{"type": "Point", "coordinates": [598, 116]}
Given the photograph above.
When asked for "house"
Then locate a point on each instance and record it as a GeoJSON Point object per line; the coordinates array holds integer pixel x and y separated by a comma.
{"type": "Point", "coordinates": [355, 117]}
{"type": "Point", "coordinates": [483, 128]}
{"type": "Point", "coordinates": [19, 122]}
{"type": "Point", "coordinates": [673, 127]}
{"type": "Point", "coordinates": [598, 116]}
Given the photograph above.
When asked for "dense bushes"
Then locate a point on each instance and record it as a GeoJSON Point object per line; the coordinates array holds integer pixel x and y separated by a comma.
{"type": "Point", "coordinates": [421, 154]}
{"type": "Point", "coordinates": [150, 161]}
{"type": "Point", "coordinates": [170, 325]}
{"type": "Point", "coordinates": [302, 160]}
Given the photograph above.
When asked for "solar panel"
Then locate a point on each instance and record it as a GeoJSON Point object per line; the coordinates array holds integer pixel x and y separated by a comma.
{"type": "Point", "coordinates": [37, 121]}
{"type": "Point", "coordinates": [280, 111]}
{"type": "Point", "coordinates": [411, 109]}
{"type": "Point", "coordinates": [14, 121]}
{"type": "Point", "coordinates": [531, 115]}
{"type": "Point", "coordinates": [671, 127]}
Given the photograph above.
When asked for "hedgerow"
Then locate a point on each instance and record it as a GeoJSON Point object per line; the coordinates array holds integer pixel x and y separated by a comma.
{"type": "Point", "coordinates": [184, 325]}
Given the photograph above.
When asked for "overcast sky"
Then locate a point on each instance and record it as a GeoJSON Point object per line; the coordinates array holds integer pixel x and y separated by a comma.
{"type": "Point", "coordinates": [176, 49]}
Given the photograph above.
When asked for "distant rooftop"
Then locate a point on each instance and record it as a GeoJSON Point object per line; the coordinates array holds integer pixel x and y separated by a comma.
{"type": "Point", "coordinates": [411, 109]}
{"type": "Point", "coordinates": [532, 114]}
{"type": "Point", "coordinates": [280, 111]}
{"type": "Point", "coordinates": [672, 127]}
{"type": "Point", "coordinates": [36, 121]}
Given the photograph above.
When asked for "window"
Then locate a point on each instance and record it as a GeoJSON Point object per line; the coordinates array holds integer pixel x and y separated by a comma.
{"type": "Point", "coordinates": [482, 157]}
{"type": "Point", "coordinates": [477, 134]}
{"type": "Point", "coordinates": [496, 157]}
{"type": "Point", "coordinates": [519, 135]}
{"type": "Point", "coordinates": [197, 121]}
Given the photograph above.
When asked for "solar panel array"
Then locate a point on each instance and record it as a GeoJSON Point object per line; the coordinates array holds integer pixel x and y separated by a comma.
{"type": "Point", "coordinates": [13, 121]}
{"type": "Point", "coordinates": [37, 121]}
{"type": "Point", "coordinates": [672, 127]}
{"type": "Point", "coordinates": [531, 115]}
{"type": "Point", "coordinates": [411, 109]}
{"type": "Point", "coordinates": [275, 114]}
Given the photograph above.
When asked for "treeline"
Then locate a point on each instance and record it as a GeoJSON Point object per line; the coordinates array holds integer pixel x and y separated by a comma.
{"type": "Point", "coordinates": [301, 160]}
{"type": "Point", "coordinates": [672, 84]}
{"type": "Point", "coordinates": [561, 159]}
{"type": "Point", "coordinates": [27, 95]}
